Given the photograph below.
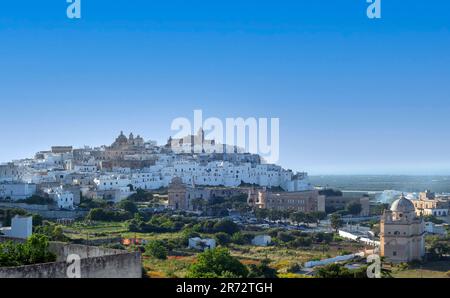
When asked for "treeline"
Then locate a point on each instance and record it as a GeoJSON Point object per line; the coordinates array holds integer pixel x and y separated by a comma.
{"type": "Point", "coordinates": [219, 206]}
{"type": "Point", "coordinates": [296, 217]}
{"type": "Point", "coordinates": [158, 223]}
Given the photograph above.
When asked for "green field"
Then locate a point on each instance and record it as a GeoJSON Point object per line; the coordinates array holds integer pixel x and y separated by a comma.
{"type": "Point", "coordinates": [281, 257]}
{"type": "Point", "coordinates": [438, 269]}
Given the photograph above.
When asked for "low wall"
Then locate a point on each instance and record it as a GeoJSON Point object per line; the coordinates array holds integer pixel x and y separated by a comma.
{"type": "Point", "coordinates": [337, 259]}
{"type": "Point", "coordinates": [4, 238]}
{"type": "Point", "coordinates": [357, 238]}
{"type": "Point", "coordinates": [28, 207]}
{"type": "Point", "coordinates": [58, 214]}
{"type": "Point", "coordinates": [45, 211]}
{"type": "Point", "coordinates": [96, 262]}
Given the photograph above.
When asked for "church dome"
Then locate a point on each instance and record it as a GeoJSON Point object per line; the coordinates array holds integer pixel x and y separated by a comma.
{"type": "Point", "coordinates": [403, 205]}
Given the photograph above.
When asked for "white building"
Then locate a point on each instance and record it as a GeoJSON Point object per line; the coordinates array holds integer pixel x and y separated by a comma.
{"type": "Point", "coordinates": [262, 240]}
{"type": "Point", "coordinates": [21, 227]}
{"type": "Point", "coordinates": [64, 199]}
{"type": "Point", "coordinates": [85, 168]}
{"type": "Point", "coordinates": [111, 182]}
{"type": "Point", "coordinates": [202, 244]}
{"type": "Point", "coordinates": [17, 191]}
{"type": "Point", "coordinates": [435, 229]}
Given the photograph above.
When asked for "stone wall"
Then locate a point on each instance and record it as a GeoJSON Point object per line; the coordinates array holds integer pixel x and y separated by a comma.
{"type": "Point", "coordinates": [96, 262]}
{"type": "Point", "coordinates": [45, 211]}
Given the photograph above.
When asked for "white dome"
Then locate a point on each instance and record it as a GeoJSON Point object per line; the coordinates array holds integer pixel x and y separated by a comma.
{"type": "Point", "coordinates": [403, 205]}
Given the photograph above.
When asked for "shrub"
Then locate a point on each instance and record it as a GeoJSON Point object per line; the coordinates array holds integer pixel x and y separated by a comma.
{"type": "Point", "coordinates": [294, 268]}
{"type": "Point", "coordinates": [226, 226]}
{"type": "Point", "coordinates": [223, 238]}
{"type": "Point", "coordinates": [217, 263]}
{"type": "Point", "coordinates": [52, 232]}
{"type": "Point", "coordinates": [156, 249]}
{"type": "Point", "coordinates": [241, 239]}
{"type": "Point", "coordinates": [107, 215]}
{"type": "Point", "coordinates": [285, 236]}
{"type": "Point", "coordinates": [129, 206]}
{"type": "Point", "coordinates": [262, 270]}
{"type": "Point", "coordinates": [339, 271]}
{"type": "Point", "coordinates": [33, 251]}
{"type": "Point", "coordinates": [301, 242]}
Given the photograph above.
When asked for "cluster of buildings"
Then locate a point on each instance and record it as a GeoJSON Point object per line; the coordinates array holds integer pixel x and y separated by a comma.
{"type": "Point", "coordinates": [115, 172]}
{"type": "Point", "coordinates": [431, 204]}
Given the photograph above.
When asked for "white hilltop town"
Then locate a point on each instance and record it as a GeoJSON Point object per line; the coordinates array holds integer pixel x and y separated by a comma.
{"type": "Point", "coordinates": [190, 174]}
{"type": "Point", "coordinates": [115, 172]}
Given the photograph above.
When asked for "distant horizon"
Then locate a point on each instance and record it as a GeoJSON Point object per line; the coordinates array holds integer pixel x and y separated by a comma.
{"type": "Point", "coordinates": [354, 95]}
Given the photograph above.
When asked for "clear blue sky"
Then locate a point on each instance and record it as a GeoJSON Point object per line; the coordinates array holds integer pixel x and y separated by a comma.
{"type": "Point", "coordinates": [353, 95]}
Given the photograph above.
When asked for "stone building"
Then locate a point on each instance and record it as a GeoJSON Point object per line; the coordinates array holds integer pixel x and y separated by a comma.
{"type": "Point", "coordinates": [429, 204]}
{"type": "Point", "coordinates": [302, 201]}
{"type": "Point", "coordinates": [184, 197]}
{"type": "Point", "coordinates": [402, 233]}
{"type": "Point", "coordinates": [333, 203]}
{"type": "Point", "coordinates": [192, 143]}
{"type": "Point", "coordinates": [177, 195]}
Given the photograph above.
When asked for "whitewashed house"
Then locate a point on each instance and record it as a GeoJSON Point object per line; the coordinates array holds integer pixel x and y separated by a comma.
{"type": "Point", "coordinates": [17, 191]}
{"type": "Point", "coordinates": [64, 199]}
{"type": "Point", "coordinates": [202, 244]}
{"type": "Point", "coordinates": [262, 240]}
{"type": "Point", "coordinates": [21, 227]}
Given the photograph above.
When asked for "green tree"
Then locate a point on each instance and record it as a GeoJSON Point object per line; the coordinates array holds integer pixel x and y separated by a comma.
{"type": "Point", "coordinates": [297, 217]}
{"type": "Point", "coordinates": [309, 219]}
{"type": "Point", "coordinates": [354, 208]}
{"type": "Point", "coordinates": [33, 251]}
{"type": "Point", "coordinates": [262, 270]}
{"type": "Point", "coordinates": [217, 263]}
{"type": "Point", "coordinates": [141, 196]}
{"type": "Point", "coordinates": [261, 213]}
{"type": "Point", "coordinates": [226, 226]}
{"type": "Point", "coordinates": [240, 239]}
{"type": "Point", "coordinates": [339, 271]}
{"type": "Point", "coordinates": [439, 249]}
{"type": "Point", "coordinates": [37, 220]}
{"type": "Point", "coordinates": [222, 238]}
{"type": "Point", "coordinates": [156, 249]}
{"type": "Point", "coordinates": [275, 215]}
{"type": "Point", "coordinates": [285, 236]}
{"type": "Point", "coordinates": [51, 231]}
{"type": "Point", "coordinates": [336, 221]}
{"type": "Point", "coordinates": [319, 215]}
{"type": "Point", "coordinates": [129, 206]}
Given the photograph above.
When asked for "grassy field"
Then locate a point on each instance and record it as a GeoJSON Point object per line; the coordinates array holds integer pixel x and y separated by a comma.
{"type": "Point", "coordinates": [438, 269]}
{"type": "Point", "coordinates": [281, 257]}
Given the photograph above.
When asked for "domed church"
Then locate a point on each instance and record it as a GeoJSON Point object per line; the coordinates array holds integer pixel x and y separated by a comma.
{"type": "Point", "coordinates": [402, 233]}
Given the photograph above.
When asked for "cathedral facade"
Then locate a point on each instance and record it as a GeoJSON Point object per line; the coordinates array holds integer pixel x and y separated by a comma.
{"type": "Point", "coordinates": [402, 233]}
